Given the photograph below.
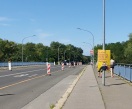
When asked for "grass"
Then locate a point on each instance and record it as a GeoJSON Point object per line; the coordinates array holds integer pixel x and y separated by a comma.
{"type": "Point", "coordinates": [52, 106]}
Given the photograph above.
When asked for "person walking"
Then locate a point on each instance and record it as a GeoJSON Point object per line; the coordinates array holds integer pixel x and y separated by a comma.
{"type": "Point", "coordinates": [104, 67]}
{"type": "Point", "coordinates": [112, 64]}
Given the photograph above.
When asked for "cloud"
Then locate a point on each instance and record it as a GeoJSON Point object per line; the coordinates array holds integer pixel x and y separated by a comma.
{"type": "Point", "coordinates": [4, 19]}
{"type": "Point", "coordinates": [46, 38]}
{"type": "Point", "coordinates": [44, 35]}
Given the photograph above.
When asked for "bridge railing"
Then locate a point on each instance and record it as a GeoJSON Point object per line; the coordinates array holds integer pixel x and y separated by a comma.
{"type": "Point", "coordinates": [124, 70]}
{"type": "Point", "coordinates": [5, 64]}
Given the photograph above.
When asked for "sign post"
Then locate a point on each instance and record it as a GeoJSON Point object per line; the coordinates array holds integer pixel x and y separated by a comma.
{"type": "Point", "coordinates": [92, 56]}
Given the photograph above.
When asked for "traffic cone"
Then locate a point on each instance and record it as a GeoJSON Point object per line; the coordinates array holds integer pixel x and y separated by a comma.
{"type": "Point", "coordinates": [48, 70]}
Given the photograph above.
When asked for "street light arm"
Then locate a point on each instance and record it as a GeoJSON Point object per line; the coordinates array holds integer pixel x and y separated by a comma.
{"type": "Point", "coordinates": [88, 43]}
{"type": "Point", "coordinates": [27, 37]}
{"type": "Point", "coordinates": [93, 40]}
{"type": "Point", "coordinates": [90, 33]}
{"type": "Point", "coordinates": [87, 31]}
{"type": "Point", "coordinates": [22, 45]}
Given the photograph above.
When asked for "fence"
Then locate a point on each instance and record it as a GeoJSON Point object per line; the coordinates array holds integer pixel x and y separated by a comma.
{"type": "Point", "coordinates": [5, 64]}
{"type": "Point", "coordinates": [125, 71]}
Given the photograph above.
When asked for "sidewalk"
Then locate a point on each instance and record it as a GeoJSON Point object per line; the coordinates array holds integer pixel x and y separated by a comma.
{"type": "Point", "coordinates": [86, 94]}
{"type": "Point", "coordinates": [90, 93]}
{"type": "Point", "coordinates": [117, 92]}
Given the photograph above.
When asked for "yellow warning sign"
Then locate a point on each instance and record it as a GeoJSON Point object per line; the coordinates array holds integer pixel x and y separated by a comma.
{"type": "Point", "coordinates": [103, 56]}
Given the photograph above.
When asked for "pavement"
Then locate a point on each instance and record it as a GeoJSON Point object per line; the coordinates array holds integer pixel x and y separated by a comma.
{"type": "Point", "coordinates": [86, 91]}
{"type": "Point", "coordinates": [91, 93]}
{"type": "Point", "coordinates": [86, 94]}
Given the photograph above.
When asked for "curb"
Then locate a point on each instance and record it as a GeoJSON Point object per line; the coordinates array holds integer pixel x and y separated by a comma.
{"type": "Point", "coordinates": [63, 99]}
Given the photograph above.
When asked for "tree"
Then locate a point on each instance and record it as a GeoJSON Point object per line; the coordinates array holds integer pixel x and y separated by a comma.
{"type": "Point", "coordinates": [128, 49]}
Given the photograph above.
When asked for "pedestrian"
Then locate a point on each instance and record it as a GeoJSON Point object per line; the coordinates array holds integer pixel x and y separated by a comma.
{"type": "Point", "coordinates": [112, 64]}
{"type": "Point", "coordinates": [104, 67]}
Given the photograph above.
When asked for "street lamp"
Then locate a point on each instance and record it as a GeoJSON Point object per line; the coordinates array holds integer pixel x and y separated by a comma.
{"type": "Point", "coordinates": [103, 75]}
{"type": "Point", "coordinates": [90, 45]}
{"type": "Point", "coordinates": [93, 41]}
{"type": "Point", "coordinates": [104, 24]}
{"type": "Point", "coordinates": [58, 54]}
{"type": "Point", "coordinates": [22, 45]}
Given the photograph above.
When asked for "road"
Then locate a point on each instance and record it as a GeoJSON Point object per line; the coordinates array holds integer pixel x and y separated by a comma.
{"type": "Point", "coordinates": [22, 85]}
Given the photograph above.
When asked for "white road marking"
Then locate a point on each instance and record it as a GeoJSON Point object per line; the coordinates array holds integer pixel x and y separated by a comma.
{"type": "Point", "coordinates": [33, 75]}
{"type": "Point", "coordinates": [21, 75]}
{"type": "Point", "coordinates": [26, 72]}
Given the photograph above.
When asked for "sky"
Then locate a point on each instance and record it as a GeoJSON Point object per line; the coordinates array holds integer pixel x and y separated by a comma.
{"type": "Point", "coordinates": [58, 20]}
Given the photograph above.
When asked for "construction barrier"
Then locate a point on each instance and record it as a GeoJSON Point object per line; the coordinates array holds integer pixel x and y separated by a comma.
{"type": "Point", "coordinates": [48, 70]}
{"type": "Point", "coordinates": [62, 66]}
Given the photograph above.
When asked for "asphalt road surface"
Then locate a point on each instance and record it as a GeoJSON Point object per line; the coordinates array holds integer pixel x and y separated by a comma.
{"type": "Point", "coordinates": [22, 85]}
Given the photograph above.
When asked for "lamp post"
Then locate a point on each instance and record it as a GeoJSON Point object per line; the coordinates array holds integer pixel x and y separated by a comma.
{"type": "Point", "coordinates": [103, 76]}
{"type": "Point", "coordinates": [22, 45]}
{"type": "Point", "coordinates": [104, 24]}
{"type": "Point", "coordinates": [89, 44]}
{"type": "Point", "coordinates": [58, 54]}
{"type": "Point", "coordinates": [93, 41]}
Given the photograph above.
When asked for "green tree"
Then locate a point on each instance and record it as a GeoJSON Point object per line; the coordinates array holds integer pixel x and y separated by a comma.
{"type": "Point", "coordinates": [128, 49]}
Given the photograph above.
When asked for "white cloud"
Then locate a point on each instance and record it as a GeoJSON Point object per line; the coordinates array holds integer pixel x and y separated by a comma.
{"type": "Point", "coordinates": [44, 35]}
{"type": "Point", "coordinates": [4, 19]}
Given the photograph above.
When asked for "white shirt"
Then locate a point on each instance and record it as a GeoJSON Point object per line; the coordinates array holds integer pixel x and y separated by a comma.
{"type": "Point", "coordinates": [112, 62]}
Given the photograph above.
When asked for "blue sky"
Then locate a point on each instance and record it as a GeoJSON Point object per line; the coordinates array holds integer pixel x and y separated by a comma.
{"type": "Point", "coordinates": [57, 20]}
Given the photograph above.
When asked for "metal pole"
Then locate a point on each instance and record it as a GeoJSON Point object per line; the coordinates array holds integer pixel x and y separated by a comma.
{"type": "Point", "coordinates": [64, 54]}
{"type": "Point", "coordinates": [22, 46]}
{"type": "Point", "coordinates": [58, 54]}
{"type": "Point", "coordinates": [103, 76]}
{"type": "Point", "coordinates": [90, 45]}
{"type": "Point", "coordinates": [93, 41]}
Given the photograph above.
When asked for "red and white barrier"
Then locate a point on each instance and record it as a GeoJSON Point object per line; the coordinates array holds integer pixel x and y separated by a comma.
{"type": "Point", "coordinates": [48, 70]}
{"type": "Point", "coordinates": [62, 68]}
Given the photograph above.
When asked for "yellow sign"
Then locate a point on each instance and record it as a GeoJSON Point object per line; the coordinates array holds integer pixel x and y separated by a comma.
{"type": "Point", "coordinates": [103, 56]}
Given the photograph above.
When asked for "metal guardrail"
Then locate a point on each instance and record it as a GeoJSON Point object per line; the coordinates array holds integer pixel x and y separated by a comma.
{"type": "Point", "coordinates": [5, 64]}
{"type": "Point", "coordinates": [125, 71]}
